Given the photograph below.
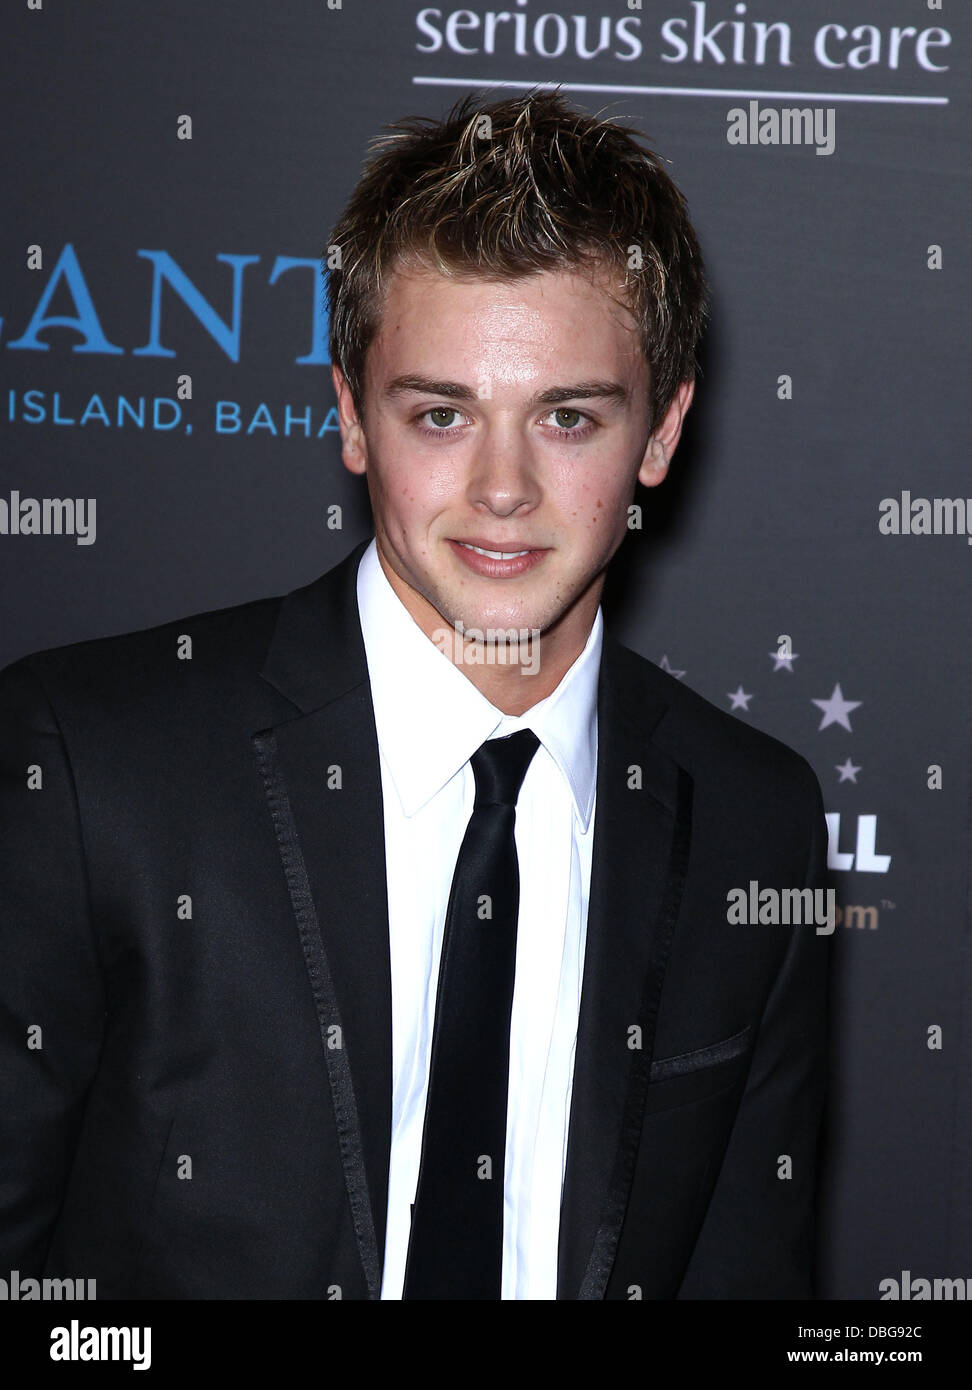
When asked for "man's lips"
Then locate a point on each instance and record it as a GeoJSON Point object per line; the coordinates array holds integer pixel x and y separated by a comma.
{"type": "Point", "coordinates": [497, 559]}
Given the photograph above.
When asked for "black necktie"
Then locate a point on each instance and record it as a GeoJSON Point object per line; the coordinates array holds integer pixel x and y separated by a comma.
{"type": "Point", "coordinates": [456, 1245]}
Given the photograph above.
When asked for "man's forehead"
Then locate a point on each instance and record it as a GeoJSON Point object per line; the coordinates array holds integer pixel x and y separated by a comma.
{"type": "Point", "coordinates": [549, 319]}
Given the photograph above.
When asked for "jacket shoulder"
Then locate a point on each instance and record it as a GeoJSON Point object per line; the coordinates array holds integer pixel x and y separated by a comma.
{"type": "Point", "coordinates": [219, 645]}
{"type": "Point", "coordinates": [710, 742]}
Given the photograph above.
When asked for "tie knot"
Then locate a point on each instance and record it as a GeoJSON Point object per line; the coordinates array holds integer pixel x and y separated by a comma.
{"type": "Point", "coordinates": [499, 766]}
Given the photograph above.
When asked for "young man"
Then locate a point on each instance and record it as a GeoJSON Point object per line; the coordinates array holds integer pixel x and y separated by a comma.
{"type": "Point", "coordinates": [381, 949]}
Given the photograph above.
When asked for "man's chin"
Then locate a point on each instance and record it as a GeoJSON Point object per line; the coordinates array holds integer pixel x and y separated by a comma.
{"type": "Point", "coordinates": [488, 626]}
{"type": "Point", "coordinates": [534, 619]}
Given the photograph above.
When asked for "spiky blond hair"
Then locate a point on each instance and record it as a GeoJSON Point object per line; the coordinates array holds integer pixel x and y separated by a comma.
{"type": "Point", "coordinates": [523, 185]}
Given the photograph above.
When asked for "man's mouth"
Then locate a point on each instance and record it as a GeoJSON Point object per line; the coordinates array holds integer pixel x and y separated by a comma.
{"type": "Point", "coordinates": [497, 561]}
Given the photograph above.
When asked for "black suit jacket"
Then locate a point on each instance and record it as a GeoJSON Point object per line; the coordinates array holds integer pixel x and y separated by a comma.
{"type": "Point", "coordinates": [193, 914]}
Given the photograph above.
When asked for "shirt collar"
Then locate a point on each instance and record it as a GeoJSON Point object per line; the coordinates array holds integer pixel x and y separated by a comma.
{"type": "Point", "coordinates": [430, 718]}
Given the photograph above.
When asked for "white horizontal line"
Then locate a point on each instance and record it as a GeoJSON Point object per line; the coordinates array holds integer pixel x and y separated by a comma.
{"type": "Point", "coordinates": [682, 91]}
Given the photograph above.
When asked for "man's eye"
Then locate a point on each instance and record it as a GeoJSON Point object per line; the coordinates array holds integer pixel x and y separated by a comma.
{"type": "Point", "coordinates": [566, 418]}
{"type": "Point", "coordinates": [569, 423]}
{"type": "Point", "coordinates": [436, 413]}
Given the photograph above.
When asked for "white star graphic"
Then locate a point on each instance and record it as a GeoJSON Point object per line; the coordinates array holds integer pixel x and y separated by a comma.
{"type": "Point", "coordinates": [848, 772]}
{"type": "Point", "coordinates": [739, 698]}
{"type": "Point", "coordinates": [836, 710]}
{"type": "Point", "coordinates": [784, 660]}
{"type": "Point", "coordinates": [665, 667]}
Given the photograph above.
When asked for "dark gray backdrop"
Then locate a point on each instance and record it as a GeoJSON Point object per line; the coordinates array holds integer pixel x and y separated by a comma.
{"type": "Point", "coordinates": [768, 526]}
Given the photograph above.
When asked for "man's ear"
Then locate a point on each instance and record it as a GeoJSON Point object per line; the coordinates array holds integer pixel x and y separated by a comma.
{"type": "Point", "coordinates": [664, 438]}
{"type": "Point", "coordinates": [354, 448]}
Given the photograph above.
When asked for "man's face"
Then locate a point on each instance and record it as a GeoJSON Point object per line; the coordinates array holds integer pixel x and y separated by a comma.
{"type": "Point", "coordinates": [512, 417]}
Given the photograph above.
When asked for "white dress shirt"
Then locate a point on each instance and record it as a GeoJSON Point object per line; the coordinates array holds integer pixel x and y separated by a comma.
{"type": "Point", "coordinates": [430, 719]}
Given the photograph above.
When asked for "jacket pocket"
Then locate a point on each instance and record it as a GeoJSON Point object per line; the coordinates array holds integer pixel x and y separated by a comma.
{"type": "Point", "coordinates": [696, 1075]}
{"type": "Point", "coordinates": [711, 1056]}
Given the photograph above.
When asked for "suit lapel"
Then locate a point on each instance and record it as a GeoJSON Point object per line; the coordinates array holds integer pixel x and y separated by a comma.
{"type": "Point", "coordinates": [640, 854]}
{"type": "Point", "coordinates": [321, 775]}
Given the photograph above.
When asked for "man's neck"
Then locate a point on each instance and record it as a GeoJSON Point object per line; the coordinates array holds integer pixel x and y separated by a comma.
{"type": "Point", "coordinates": [512, 679]}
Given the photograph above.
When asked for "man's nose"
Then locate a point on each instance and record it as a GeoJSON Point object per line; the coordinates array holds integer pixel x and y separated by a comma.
{"type": "Point", "coordinates": [503, 474]}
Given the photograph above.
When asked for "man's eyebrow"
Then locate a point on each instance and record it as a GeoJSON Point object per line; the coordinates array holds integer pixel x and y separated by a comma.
{"type": "Point", "coordinates": [583, 391]}
{"type": "Point", "coordinates": [554, 395]}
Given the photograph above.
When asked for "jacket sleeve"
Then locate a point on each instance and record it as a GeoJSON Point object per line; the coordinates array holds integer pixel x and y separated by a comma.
{"type": "Point", "coordinates": [52, 1002]}
{"type": "Point", "coordinates": [757, 1238]}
